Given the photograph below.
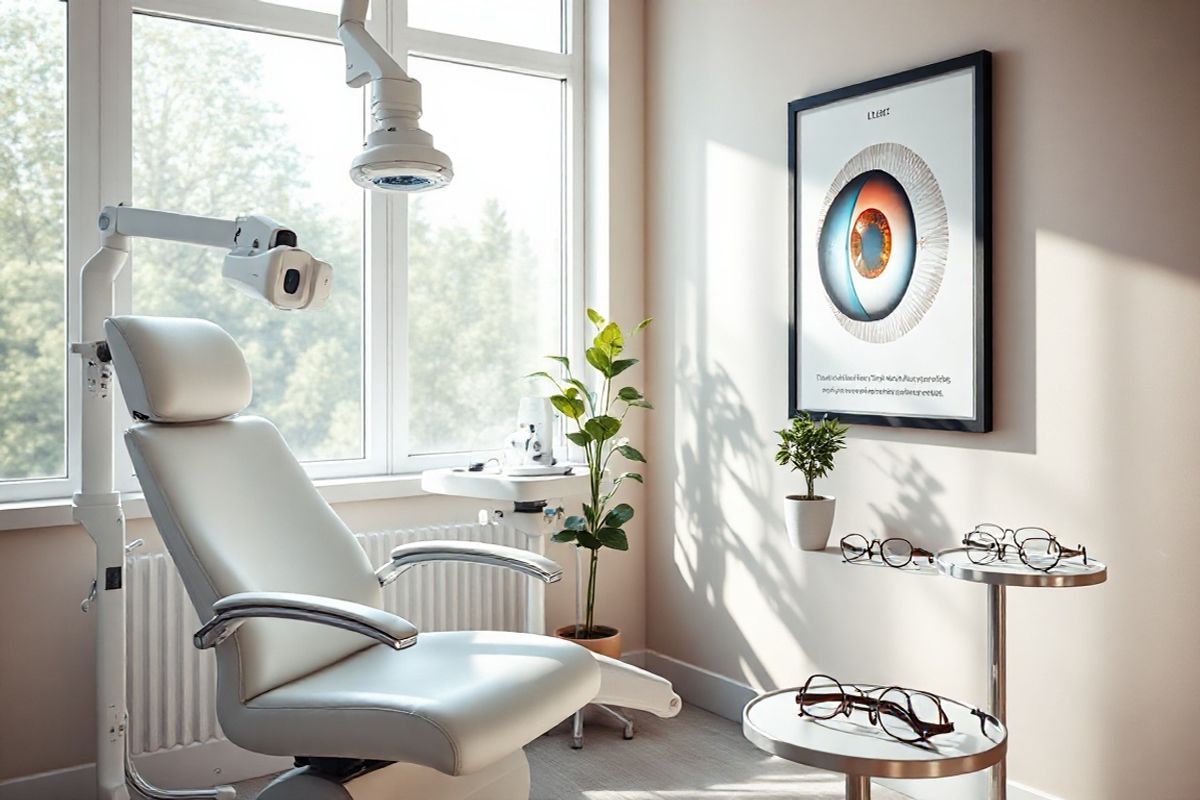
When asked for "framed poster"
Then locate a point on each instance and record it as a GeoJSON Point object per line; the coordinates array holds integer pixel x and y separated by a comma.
{"type": "Point", "coordinates": [891, 249]}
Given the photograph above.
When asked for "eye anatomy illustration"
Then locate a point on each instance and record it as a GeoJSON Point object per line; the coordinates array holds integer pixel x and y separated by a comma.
{"type": "Point", "coordinates": [882, 244]}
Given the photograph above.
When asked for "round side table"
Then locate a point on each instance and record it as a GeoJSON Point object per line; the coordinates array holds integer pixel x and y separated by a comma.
{"type": "Point", "coordinates": [852, 745]}
{"type": "Point", "coordinates": [999, 575]}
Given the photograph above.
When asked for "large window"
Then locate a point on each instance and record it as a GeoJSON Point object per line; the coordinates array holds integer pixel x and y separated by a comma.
{"type": "Point", "coordinates": [277, 145]}
{"type": "Point", "coordinates": [33, 299]}
{"type": "Point", "coordinates": [441, 301]}
{"type": "Point", "coordinates": [485, 255]}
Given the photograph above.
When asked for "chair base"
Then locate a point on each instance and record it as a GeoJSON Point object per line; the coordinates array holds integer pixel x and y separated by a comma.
{"type": "Point", "coordinates": [507, 779]}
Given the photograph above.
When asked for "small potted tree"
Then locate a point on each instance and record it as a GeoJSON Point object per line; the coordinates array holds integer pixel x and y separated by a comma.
{"type": "Point", "coordinates": [808, 447]}
{"type": "Point", "coordinates": [596, 417]}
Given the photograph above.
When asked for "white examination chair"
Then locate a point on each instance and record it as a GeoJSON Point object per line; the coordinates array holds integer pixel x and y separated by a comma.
{"type": "Point", "coordinates": [308, 663]}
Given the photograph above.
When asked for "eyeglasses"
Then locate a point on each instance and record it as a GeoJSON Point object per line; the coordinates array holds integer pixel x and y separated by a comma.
{"type": "Point", "coordinates": [1036, 547]}
{"type": "Point", "coordinates": [904, 714]}
{"type": "Point", "coordinates": [894, 552]}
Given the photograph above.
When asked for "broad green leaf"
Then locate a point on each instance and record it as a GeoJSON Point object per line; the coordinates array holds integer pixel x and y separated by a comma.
{"type": "Point", "coordinates": [585, 539]}
{"type": "Point", "coordinates": [635, 476]}
{"type": "Point", "coordinates": [581, 438]}
{"type": "Point", "coordinates": [578, 384]}
{"type": "Point", "coordinates": [600, 360]}
{"type": "Point", "coordinates": [567, 406]}
{"type": "Point", "coordinates": [610, 339]}
{"type": "Point", "coordinates": [571, 392]}
{"type": "Point", "coordinates": [628, 393]}
{"type": "Point", "coordinates": [566, 362]}
{"type": "Point", "coordinates": [540, 374]}
{"type": "Point", "coordinates": [632, 453]}
{"type": "Point", "coordinates": [602, 427]}
{"type": "Point", "coordinates": [564, 536]}
{"type": "Point", "coordinates": [618, 516]}
{"type": "Point", "coordinates": [575, 523]}
{"type": "Point", "coordinates": [613, 537]}
{"type": "Point", "coordinates": [643, 324]}
{"type": "Point", "coordinates": [641, 404]}
{"type": "Point", "coordinates": [595, 317]}
{"type": "Point", "coordinates": [620, 365]}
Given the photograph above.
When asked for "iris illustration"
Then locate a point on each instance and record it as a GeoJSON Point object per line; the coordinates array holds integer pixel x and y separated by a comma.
{"type": "Point", "coordinates": [868, 247]}
{"type": "Point", "coordinates": [883, 239]}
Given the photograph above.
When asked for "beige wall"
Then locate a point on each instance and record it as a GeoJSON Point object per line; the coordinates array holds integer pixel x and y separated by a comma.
{"type": "Point", "coordinates": [1097, 328]}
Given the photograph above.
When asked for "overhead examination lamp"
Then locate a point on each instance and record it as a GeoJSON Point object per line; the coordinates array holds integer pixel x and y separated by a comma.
{"type": "Point", "coordinates": [262, 261]}
{"type": "Point", "coordinates": [398, 156]}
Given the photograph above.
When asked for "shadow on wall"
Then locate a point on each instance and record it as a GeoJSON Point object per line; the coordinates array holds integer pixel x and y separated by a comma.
{"type": "Point", "coordinates": [726, 446]}
{"type": "Point", "coordinates": [914, 513]}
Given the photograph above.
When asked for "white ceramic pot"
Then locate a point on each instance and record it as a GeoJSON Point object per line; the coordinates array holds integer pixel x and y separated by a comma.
{"type": "Point", "coordinates": [809, 522]}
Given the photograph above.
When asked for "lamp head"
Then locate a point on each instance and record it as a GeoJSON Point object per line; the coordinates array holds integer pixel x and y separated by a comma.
{"type": "Point", "coordinates": [401, 158]}
{"type": "Point", "coordinates": [266, 264]}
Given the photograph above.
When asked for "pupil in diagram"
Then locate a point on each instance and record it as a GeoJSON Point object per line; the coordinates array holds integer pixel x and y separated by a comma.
{"type": "Point", "coordinates": [871, 243]}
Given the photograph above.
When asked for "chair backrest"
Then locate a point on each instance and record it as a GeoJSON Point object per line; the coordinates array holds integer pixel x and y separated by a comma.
{"type": "Point", "coordinates": [235, 509]}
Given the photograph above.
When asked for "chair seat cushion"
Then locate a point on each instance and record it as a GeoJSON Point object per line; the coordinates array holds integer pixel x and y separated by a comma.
{"type": "Point", "coordinates": [456, 702]}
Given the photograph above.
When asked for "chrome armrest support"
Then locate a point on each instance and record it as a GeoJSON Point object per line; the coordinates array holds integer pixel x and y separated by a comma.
{"type": "Point", "coordinates": [230, 612]}
{"type": "Point", "coordinates": [495, 555]}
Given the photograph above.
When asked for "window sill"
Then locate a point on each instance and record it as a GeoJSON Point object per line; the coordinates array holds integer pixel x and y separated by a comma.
{"type": "Point", "coordinates": [57, 511]}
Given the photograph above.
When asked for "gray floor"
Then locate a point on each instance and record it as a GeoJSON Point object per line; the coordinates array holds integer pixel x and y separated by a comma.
{"type": "Point", "coordinates": [696, 756]}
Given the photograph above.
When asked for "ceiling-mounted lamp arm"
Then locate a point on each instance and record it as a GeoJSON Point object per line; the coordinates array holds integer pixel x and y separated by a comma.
{"type": "Point", "coordinates": [397, 155]}
{"type": "Point", "coordinates": [366, 59]}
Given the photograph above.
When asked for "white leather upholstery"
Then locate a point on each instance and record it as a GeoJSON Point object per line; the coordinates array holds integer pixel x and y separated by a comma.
{"type": "Point", "coordinates": [239, 515]}
{"type": "Point", "coordinates": [455, 702]}
{"type": "Point", "coordinates": [178, 370]}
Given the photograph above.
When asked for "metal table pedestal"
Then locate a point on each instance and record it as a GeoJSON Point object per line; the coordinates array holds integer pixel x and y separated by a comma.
{"type": "Point", "coordinates": [998, 576]}
{"type": "Point", "coordinates": [858, 787]}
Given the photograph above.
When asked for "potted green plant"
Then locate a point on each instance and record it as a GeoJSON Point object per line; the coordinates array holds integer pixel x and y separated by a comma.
{"type": "Point", "coordinates": [596, 418]}
{"type": "Point", "coordinates": [808, 447]}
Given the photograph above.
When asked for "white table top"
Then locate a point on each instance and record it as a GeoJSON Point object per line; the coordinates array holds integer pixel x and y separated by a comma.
{"type": "Point", "coordinates": [956, 563]}
{"type": "Point", "coordinates": [498, 486]}
{"type": "Point", "coordinates": [856, 747]}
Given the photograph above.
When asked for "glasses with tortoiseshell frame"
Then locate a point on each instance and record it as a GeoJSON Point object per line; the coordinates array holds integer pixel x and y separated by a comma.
{"type": "Point", "coordinates": [906, 715]}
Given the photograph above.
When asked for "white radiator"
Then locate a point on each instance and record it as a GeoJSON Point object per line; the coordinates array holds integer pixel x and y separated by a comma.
{"type": "Point", "coordinates": [172, 685]}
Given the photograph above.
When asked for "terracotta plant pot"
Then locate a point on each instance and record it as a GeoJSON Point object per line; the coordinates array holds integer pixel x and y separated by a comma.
{"type": "Point", "coordinates": [606, 642]}
{"type": "Point", "coordinates": [809, 522]}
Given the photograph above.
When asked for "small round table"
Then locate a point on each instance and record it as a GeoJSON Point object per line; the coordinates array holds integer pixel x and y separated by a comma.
{"type": "Point", "coordinates": [956, 563]}
{"type": "Point", "coordinates": [862, 751]}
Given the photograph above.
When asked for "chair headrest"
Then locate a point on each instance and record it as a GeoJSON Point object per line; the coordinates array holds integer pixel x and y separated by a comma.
{"type": "Point", "coordinates": [178, 369]}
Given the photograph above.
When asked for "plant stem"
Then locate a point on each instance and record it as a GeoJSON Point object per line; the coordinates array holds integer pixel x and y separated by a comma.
{"type": "Point", "coordinates": [811, 492]}
{"type": "Point", "coordinates": [591, 595]}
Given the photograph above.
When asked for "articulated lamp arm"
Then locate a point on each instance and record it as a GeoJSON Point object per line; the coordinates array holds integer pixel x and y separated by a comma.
{"type": "Point", "coordinates": [366, 60]}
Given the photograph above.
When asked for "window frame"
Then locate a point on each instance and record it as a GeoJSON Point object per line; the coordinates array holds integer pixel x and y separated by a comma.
{"type": "Point", "coordinates": [99, 170]}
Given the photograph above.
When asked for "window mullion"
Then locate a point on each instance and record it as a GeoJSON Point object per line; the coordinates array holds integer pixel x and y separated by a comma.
{"type": "Point", "coordinates": [83, 193]}
{"type": "Point", "coordinates": [397, 273]}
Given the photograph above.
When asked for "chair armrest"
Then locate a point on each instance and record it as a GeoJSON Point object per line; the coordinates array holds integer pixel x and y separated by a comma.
{"type": "Point", "coordinates": [495, 555]}
{"type": "Point", "coordinates": [230, 612]}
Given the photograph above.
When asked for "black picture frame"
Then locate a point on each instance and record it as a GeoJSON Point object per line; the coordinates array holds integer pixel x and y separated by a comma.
{"type": "Point", "coordinates": [980, 65]}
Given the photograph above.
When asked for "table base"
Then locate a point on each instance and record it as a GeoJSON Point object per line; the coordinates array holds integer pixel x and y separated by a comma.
{"type": "Point", "coordinates": [858, 787]}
